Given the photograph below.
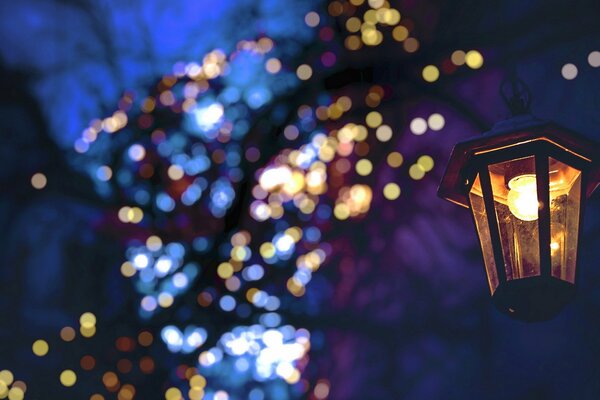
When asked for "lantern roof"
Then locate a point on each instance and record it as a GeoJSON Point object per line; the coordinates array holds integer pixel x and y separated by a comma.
{"type": "Point", "coordinates": [519, 130]}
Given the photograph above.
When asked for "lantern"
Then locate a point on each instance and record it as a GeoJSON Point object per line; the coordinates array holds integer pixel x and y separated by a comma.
{"type": "Point", "coordinates": [526, 182]}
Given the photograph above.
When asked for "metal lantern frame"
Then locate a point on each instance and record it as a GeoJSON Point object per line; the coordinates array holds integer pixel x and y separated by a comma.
{"type": "Point", "coordinates": [542, 296]}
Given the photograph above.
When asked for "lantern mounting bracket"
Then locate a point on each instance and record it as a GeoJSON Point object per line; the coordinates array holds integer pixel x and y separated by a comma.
{"type": "Point", "coordinates": [516, 94]}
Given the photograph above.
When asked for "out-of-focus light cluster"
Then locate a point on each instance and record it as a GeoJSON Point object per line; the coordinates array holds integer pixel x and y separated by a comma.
{"type": "Point", "coordinates": [214, 100]}
{"type": "Point", "coordinates": [186, 341]}
{"type": "Point", "coordinates": [300, 176]}
{"type": "Point", "coordinates": [569, 71]}
{"type": "Point", "coordinates": [11, 388]}
{"type": "Point", "coordinates": [183, 151]}
{"type": "Point", "coordinates": [372, 20]}
{"type": "Point", "coordinates": [305, 266]}
{"type": "Point", "coordinates": [87, 324]}
{"type": "Point", "coordinates": [193, 337]}
{"type": "Point", "coordinates": [435, 122]}
{"type": "Point", "coordinates": [423, 165]}
{"type": "Point", "coordinates": [160, 273]}
{"type": "Point", "coordinates": [472, 59]}
{"type": "Point", "coordinates": [353, 201]}
{"type": "Point", "coordinates": [256, 353]}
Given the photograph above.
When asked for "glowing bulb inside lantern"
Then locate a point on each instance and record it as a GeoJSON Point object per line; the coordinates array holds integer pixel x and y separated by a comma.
{"type": "Point", "coordinates": [522, 197]}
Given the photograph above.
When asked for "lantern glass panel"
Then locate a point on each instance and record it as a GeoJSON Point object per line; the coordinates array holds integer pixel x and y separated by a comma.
{"type": "Point", "coordinates": [516, 204]}
{"type": "Point", "coordinates": [483, 230]}
{"type": "Point", "coordinates": [565, 195]}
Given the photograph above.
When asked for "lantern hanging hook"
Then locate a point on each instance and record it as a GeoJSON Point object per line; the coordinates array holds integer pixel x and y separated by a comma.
{"type": "Point", "coordinates": [516, 94]}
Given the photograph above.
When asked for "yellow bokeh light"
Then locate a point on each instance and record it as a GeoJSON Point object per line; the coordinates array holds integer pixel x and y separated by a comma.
{"type": "Point", "coordinates": [304, 72]}
{"type": "Point", "coordinates": [371, 37]}
{"type": "Point", "coordinates": [87, 332]}
{"type": "Point", "coordinates": [135, 215]}
{"type": "Point", "coordinates": [353, 42]}
{"type": "Point", "coordinates": [383, 133]}
{"type": "Point", "coordinates": [175, 172]}
{"type": "Point", "coordinates": [334, 111]}
{"type": "Point", "coordinates": [250, 293]}
{"type": "Point", "coordinates": [395, 159]}
{"type": "Point", "coordinates": [148, 104]}
{"type": "Point", "coordinates": [21, 385]}
{"type": "Point", "coordinates": [436, 122]}
{"type": "Point", "coordinates": [341, 211]}
{"type": "Point", "coordinates": [198, 380]}
{"type": "Point", "coordinates": [353, 24]}
{"type": "Point", "coordinates": [127, 269]}
{"type": "Point", "coordinates": [273, 65]}
{"type": "Point", "coordinates": [294, 232]}
{"type": "Point", "coordinates": [294, 377]}
{"type": "Point", "coordinates": [165, 299]}
{"type": "Point", "coordinates": [416, 172]}
{"type": "Point", "coordinates": [225, 270]}
{"type": "Point", "coordinates": [474, 59]}
{"type": "Point", "coordinates": [400, 33]}
{"type": "Point", "coordinates": [123, 214]}
{"type": "Point", "coordinates": [370, 17]}
{"type": "Point", "coordinates": [361, 133]}
{"type": "Point", "coordinates": [154, 243]}
{"type": "Point", "coordinates": [426, 162]}
{"type": "Point", "coordinates": [3, 390]}
{"type": "Point", "coordinates": [39, 181]}
{"type": "Point", "coordinates": [40, 348]}
{"type": "Point", "coordinates": [127, 392]}
{"type": "Point", "coordinates": [376, 3]}
{"type": "Point", "coordinates": [68, 378]}
{"type": "Point", "coordinates": [173, 394]}
{"type": "Point", "coordinates": [87, 320]}
{"type": "Point", "coordinates": [196, 393]}
{"type": "Point", "coordinates": [267, 250]}
{"type": "Point", "coordinates": [391, 191]}
{"type": "Point", "coordinates": [276, 210]}
{"type": "Point", "coordinates": [16, 393]}
{"type": "Point", "coordinates": [391, 16]}
{"type": "Point", "coordinates": [130, 214]}
{"type": "Point", "coordinates": [364, 167]}
{"type": "Point", "coordinates": [344, 102]}
{"type": "Point", "coordinates": [431, 73]}
{"type": "Point", "coordinates": [374, 119]}
{"type": "Point", "coordinates": [240, 253]}
{"type": "Point", "coordinates": [6, 377]}
{"type": "Point", "coordinates": [265, 44]}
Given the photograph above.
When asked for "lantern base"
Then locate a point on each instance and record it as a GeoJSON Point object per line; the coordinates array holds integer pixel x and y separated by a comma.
{"type": "Point", "coordinates": [537, 298]}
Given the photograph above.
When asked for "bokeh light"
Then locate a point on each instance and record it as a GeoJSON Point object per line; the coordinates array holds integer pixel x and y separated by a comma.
{"type": "Point", "coordinates": [474, 59]}
{"type": "Point", "coordinates": [431, 73]}
{"type": "Point", "coordinates": [39, 180]}
{"type": "Point", "coordinates": [569, 71]}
